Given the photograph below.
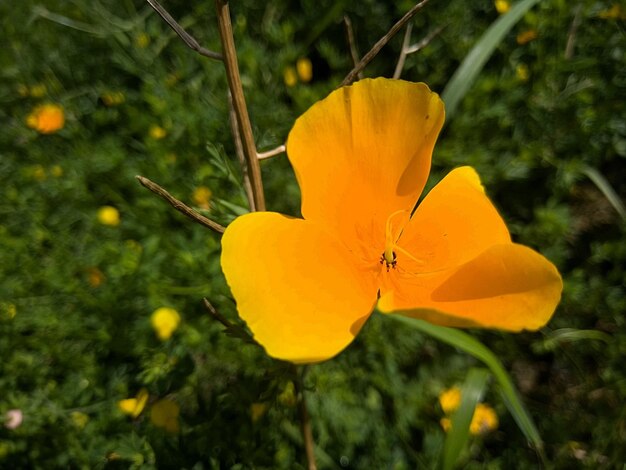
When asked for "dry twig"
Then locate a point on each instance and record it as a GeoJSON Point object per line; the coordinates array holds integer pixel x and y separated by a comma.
{"type": "Point", "coordinates": [381, 43]}
{"type": "Point", "coordinates": [406, 49]}
{"type": "Point", "coordinates": [180, 206]}
{"type": "Point", "coordinates": [184, 35]}
{"type": "Point", "coordinates": [271, 153]}
{"type": "Point", "coordinates": [354, 52]}
{"type": "Point", "coordinates": [239, 102]}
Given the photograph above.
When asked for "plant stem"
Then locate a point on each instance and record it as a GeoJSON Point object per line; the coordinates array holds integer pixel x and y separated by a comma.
{"type": "Point", "coordinates": [305, 421]}
{"type": "Point", "coordinates": [180, 206]}
{"type": "Point", "coordinates": [239, 102]}
{"type": "Point", "coordinates": [381, 43]}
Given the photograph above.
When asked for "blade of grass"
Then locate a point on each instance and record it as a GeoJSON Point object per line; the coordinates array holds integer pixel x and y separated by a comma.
{"type": "Point", "coordinates": [464, 77]}
{"type": "Point", "coordinates": [605, 187]}
{"type": "Point", "coordinates": [472, 346]}
{"type": "Point", "coordinates": [458, 435]}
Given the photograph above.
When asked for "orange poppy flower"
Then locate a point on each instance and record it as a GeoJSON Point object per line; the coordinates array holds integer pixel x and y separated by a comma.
{"type": "Point", "coordinates": [305, 286]}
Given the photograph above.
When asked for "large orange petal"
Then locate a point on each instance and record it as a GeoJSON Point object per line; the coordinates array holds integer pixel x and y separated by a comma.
{"type": "Point", "coordinates": [364, 152]}
{"type": "Point", "coordinates": [296, 286]}
{"type": "Point", "coordinates": [453, 224]}
{"type": "Point", "coordinates": [508, 286]}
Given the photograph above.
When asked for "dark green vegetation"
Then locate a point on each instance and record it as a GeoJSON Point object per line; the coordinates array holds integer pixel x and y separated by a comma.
{"type": "Point", "coordinates": [538, 122]}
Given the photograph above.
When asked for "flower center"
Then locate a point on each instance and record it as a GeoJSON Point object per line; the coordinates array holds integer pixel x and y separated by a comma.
{"type": "Point", "coordinates": [391, 237]}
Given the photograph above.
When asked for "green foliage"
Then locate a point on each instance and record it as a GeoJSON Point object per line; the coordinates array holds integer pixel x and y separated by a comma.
{"type": "Point", "coordinates": [545, 128]}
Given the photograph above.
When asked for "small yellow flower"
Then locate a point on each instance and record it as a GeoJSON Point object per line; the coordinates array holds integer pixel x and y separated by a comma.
{"type": "Point", "coordinates": [113, 98]}
{"type": "Point", "coordinates": [450, 399]}
{"type": "Point", "coordinates": [502, 6]}
{"type": "Point", "coordinates": [613, 13]}
{"type": "Point", "coordinates": [56, 171]}
{"type": "Point", "coordinates": [522, 72]}
{"type": "Point", "coordinates": [46, 118]}
{"type": "Point", "coordinates": [157, 132]}
{"type": "Point", "coordinates": [305, 69]}
{"type": "Point", "coordinates": [202, 197]}
{"type": "Point", "coordinates": [484, 420]}
{"type": "Point", "coordinates": [165, 320]}
{"type": "Point", "coordinates": [109, 215]}
{"type": "Point", "coordinates": [257, 410]}
{"type": "Point", "coordinates": [37, 91]}
{"type": "Point", "coordinates": [79, 419]}
{"type": "Point", "coordinates": [164, 414]}
{"type": "Point", "coordinates": [142, 41]}
{"type": "Point", "coordinates": [11, 311]}
{"type": "Point", "coordinates": [22, 90]}
{"type": "Point", "coordinates": [39, 173]}
{"type": "Point", "coordinates": [134, 406]}
{"type": "Point", "coordinates": [95, 277]}
{"type": "Point", "coordinates": [288, 396]}
{"type": "Point", "coordinates": [446, 424]}
{"type": "Point", "coordinates": [526, 36]}
{"type": "Point", "coordinates": [290, 77]}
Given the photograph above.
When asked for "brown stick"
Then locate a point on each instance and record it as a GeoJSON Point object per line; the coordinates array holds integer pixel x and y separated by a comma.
{"type": "Point", "coordinates": [381, 43]}
{"type": "Point", "coordinates": [239, 101]}
{"type": "Point", "coordinates": [180, 206]}
{"type": "Point", "coordinates": [184, 35]}
{"type": "Point", "coordinates": [407, 49]}
{"type": "Point", "coordinates": [354, 52]}
{"type": "Point", "coordinates": [247, 185]}
{"type": "Point", "coordinates": [305, 422]}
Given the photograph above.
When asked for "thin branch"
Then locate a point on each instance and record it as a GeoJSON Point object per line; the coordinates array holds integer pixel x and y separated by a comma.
{"type": "Point", "coordinates": [184, 35]}
{"type": "Point", "coordinates": [239, 102]}
{"type": "Point", "coordinates": [354, 52]}
{"type": "Point", "coordinates": [573, 29]}
{"type": "Point", "coordinates": [270, 153]}
{"type": "Point", "coordinates": [405, 46]}
{"type": "Point", "coordinates": [305, 421]}
{"type": "Point", "coordinates": [381, 43]}
{"type": "Point", "coordinates": [247, 185]}
{"type": "Point", "coordinates": [406, 49]}
{"type": "Point", "coordinates": [217, 315]}
{"type": "Point", "coordinates": [180, 206]}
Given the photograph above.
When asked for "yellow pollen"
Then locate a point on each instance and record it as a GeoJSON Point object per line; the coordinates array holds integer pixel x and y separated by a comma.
{"type": "Point", "coordinates": [391, 239]}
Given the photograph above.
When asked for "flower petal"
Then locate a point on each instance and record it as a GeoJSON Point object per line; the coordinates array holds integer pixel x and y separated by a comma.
{"type": "Point", "coordinates": [364, 152]}
{"type": "Point", "coordinates": [454, 223]}
{"type": "Point", "coordinates": [296, 286]}
{"type": "Point", "coordinates": [508, 286]}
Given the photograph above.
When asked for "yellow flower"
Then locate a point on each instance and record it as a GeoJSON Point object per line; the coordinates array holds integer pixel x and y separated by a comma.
{"type": "Point", "coordinates": [613, 13]}
{"type": "Point", "coordinates": [56, 171]}
{"type": "Point", "coordinates": [202, 197]}
{"type": "Point", "coordinates": [526, 36]}
{"type": "Point", "coordinates": [305, 69]}
{"type": "Point", "coordinates": [165, 320]}
{"type": "Point", "coordinates": [10, 310]}
{"type": "Point", "coordinates": [142, 41]}
{"type": "Point", "coordinates": [38, 91]}
{"type": "Point", "coordinates": [134, 406]}
{"type": "Point", "coordinates": [113, 98]}
{"type": "Point", "coordinates": [79, 419]}
{"type": "Point", "coordinates": [109, 215]}
{"type": "Point", "coordinates": [46, 118]}
{"type": "Point", "coordinates": [95, 277]}
{"type": "Point", "coordinates": [522, 72]}
{"type": "Point", "coordinates": [258, 410]}
{"type": "Point", "coordinates": [164, 414]}
{"type": "Point", "coordinates": [22, 90]}
{"type": "Point", "coordinates": [157, 132]}
{"type": "Point", "coordinates": [39, 173]}
{"type": "Point", "coordinates": [290, 76]}
{"type": "Point", "coordinates": [502, 6]}
{"type": "Point", "coordinates": [484, 420]}
{"type": "Point", "coordinates": [450, 399]}
{"type": "Point", "coordinates": [305, 286]}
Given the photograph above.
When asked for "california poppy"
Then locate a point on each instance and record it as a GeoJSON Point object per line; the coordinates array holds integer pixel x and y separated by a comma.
{"type": "Point", "coordinates": [305, 286]}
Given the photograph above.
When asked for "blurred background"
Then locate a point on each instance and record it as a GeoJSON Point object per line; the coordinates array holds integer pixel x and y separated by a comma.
{"type": "Point", "coordinates": [108, 356]}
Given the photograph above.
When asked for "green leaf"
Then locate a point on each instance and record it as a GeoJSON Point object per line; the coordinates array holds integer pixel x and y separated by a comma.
{"type": "Point", "coordinates": [471, 393]}
{"type": "Point", "coordinates": [470, 345]}
{"type": "Point", "coordinates": [474, 61]}
{"type": "Point", "coordinates": [603, 185]}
